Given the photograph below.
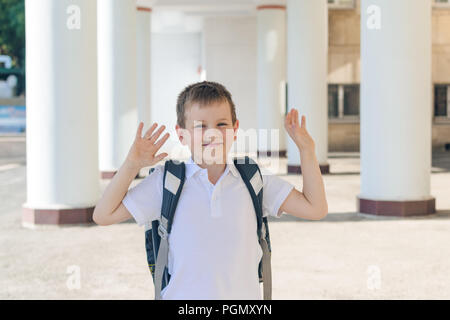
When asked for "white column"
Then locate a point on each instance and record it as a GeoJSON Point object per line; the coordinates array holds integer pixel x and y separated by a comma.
{"type": "Point", "coordinates": [307, 52]}
{"type": "Point", "coordinates": [396, 107]}
{"type": "Point", "coordinates": [143, 63]}
{"type": "Point", "coordinates": [117, 44]}
{"type": "Point", "coordinates": [62, 147]}
{"type": "Point", "coordinates": [271, 77]}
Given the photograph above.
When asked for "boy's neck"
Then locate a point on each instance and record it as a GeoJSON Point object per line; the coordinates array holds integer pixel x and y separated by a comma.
{"type": "Point", "coordinates": [215, 170]}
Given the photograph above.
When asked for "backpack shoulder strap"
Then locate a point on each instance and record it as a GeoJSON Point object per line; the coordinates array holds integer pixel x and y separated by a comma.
{"type": "Point", "coordinates": [174, 176]}
{"type": "Point", "coordinates": [252, 177]}
{"type": "Point", "coordinates": [173, 181]}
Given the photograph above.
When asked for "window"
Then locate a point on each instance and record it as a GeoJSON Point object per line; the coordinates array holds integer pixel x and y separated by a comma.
{"type": "Point", "coordinates": [441, 4]}
{"type": "Point", "coordinates": [442, 101]}
{"type": "Point", "coordinates": [351, 100]}
{"type": "Point", "coordinates": [333, 100]}
{"type": "Point", "coordinates": [341, 4]}
{"type": "Point", "coordinates": [343, 101]}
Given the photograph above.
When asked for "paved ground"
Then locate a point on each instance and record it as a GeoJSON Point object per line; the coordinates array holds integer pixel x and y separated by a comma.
{"type": "Point", "coordinates": [345, 256]}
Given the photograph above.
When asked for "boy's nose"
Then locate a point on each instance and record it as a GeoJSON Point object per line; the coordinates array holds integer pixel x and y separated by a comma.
{"type": "Point", "coordinates": [214, 140]}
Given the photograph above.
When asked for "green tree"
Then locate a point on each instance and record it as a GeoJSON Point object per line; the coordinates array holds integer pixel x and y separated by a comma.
{"type": "Point", "coordinates": [12, 30]}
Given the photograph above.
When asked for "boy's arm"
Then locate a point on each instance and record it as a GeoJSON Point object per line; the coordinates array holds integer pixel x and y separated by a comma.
{"type": "Point", "coordinates": [109, 209]}
{"type": "Point", "coordinates": [312, 203]}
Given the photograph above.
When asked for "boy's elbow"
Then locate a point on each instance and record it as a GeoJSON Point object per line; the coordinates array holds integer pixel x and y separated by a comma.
{"type": "Point", "coordinates": [323, 215]}
{"type": "Point", "coordinates": [322, 212]}
{"type": "Point", "coordinates": [97, 218]}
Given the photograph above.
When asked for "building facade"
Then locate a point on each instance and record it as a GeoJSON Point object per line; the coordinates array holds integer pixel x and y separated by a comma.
{"type": "Point", "coordinates": [344, 76]}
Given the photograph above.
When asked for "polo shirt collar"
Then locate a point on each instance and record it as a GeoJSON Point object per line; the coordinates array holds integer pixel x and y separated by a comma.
{"type": "Point", "coordinates": [192, 167]}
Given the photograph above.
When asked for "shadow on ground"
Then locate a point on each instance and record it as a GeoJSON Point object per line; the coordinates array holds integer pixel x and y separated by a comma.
{"type": "Point", "coordinates": [357, 216]}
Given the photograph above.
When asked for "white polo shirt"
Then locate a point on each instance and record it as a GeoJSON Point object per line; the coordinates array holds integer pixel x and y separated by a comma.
{"type": "Point", "coordinates": [214, 251]}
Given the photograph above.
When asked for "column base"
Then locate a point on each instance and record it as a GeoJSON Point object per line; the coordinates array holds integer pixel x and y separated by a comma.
{"type": "Point", "coordinates": [280, 154]}
{"type": "Point", "coordinates": [32, 216]}
{"type": "Point", "coordinates": [324, 169]}
{"type": "Point", "coordinates": [397, 208]}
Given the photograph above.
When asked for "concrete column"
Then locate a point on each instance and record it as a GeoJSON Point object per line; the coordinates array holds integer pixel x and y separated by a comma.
{"type": "Point", "coordinates": [143, 63]}
{"type": "Point", "coordinates": [117, 77]}
{"type": "Point", "coordinates": [62, 147]}
{"type": "Point", "coordinates": [396, 108]}
{"type": "Point", "coordinates": [307, 51]}
{"type": "Point", "coordinates": [271, 78]}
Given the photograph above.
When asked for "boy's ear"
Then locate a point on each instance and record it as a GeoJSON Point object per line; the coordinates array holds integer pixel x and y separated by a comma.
{"type": "Point", "coordinates": [179, 131]}
{"type": "Point", "coordinates": [183, 135]}
{"type": "Point", "coordinates": [236, 128]}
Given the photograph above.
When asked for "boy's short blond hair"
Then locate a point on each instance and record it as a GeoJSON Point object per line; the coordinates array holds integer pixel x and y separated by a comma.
{"type": "Point", "coordinates": [204, 93]}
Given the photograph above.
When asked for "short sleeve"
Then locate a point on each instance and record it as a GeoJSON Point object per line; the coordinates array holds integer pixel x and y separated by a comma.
{"type": "Point", "coordinates": [144, 200]}
{"type": "Point", "coordinates": [276, 190]}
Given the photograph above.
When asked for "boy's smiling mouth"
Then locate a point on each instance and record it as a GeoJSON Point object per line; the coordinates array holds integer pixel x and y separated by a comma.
{"type": "Point", "coordinates": [212, 144]}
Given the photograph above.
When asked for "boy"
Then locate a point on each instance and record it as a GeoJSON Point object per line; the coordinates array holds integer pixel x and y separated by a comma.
{"type": "Point", "coordinates": [213, 249]}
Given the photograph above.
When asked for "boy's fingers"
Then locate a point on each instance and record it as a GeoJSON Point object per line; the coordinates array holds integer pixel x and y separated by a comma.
{"type": "Point", "coordinates": [139, 130]}
{"type": "Point", "coordinates": [288, 118]}
{"type": "Point", "coordinates": [156, 135]}
{"type": "Point", "coordinates": [291, 117]}
{"type": "Point", "coordinates": [162, 141]}
{"type": "Point", "coordinates": [150, 131]}
{"type": "Point", "coordinates": [304, 122]}
{"type": "Point", "coordinates": [161, 156]}
{"type": "Point", "coordinates": [296, 117]}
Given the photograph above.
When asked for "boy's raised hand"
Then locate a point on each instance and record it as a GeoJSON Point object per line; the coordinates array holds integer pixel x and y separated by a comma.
{"type": "Point", "coordinates": [143, 151]}
{"type": "Point", "coordinates": [298, 133]}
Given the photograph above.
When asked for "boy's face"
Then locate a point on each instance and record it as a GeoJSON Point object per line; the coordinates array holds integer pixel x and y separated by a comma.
{"type": "Point", "coordinates": [209, 132]}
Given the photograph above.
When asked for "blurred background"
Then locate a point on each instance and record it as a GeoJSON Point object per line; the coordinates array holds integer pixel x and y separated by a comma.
{"type": "Point", "coordinates": [371, 76]}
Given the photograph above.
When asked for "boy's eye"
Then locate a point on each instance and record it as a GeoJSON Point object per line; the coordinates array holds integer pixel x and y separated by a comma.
{"type": "Point", "coordinates": [203, 126]}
